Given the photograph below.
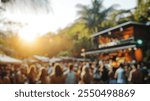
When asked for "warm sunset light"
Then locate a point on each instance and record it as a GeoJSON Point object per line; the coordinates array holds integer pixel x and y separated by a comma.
{"type": "Point", "coordinates": [28, 37]}
{"type": "Point", "coordinates": [28, 34]}
{"type": "Point", "coordinates": [74, 42]}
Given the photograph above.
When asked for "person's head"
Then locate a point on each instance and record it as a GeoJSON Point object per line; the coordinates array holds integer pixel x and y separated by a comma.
{"type": "Point", "coordinates": [71, 67]}
{"type": "Point", "coordinates": [8, 67]}
{"type": "Point", "coordinates": [53, 64]}
{"type": "Point", "coordinates": [97, 64]}
{"type": "Point", "coordinates": [33, 69]}
{"type": "Point", "coordinates": [138, 65]}
{"type": "Point", "coordinates": [23, 70]}
{"type": "Point", "coordinates": [58, 70]}
{"type": "Point", "coordinates": [134, 66]}
{"type": "Point", "coordinates": [8, 72]}
{"type": "Point", "coordinates": [121, 65]}
{"type": "Point", "coordinates": [85, 70]}
{"type": "Point", "coordinates": [44, 72]}
{"type": "Point", "coordinates": [90, 64]}
{"type": "Point", "coordinates": [86, 75]}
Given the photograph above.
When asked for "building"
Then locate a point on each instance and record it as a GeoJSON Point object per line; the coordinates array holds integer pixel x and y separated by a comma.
{"type": "Point", "coordinates": [125, 42]}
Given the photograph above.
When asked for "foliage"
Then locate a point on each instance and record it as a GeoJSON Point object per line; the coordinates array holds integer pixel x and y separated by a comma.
{"type": "Point", "coordinates": [79, 37]}
{"type": "Point", "coordinates": [64, 53]}
{"type": "Point", "coordinates": [4, 1]}
{"type": "Point", "coordinates": [142, 12]}
{"type": "Point", "coordinates": [72, 39]}
{"type": "Point", "coordinates": [94, 15]}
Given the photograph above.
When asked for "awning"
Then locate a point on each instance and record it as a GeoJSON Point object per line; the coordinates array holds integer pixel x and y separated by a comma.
{"type": "Point", "coordinates": [82, 59]}
{"type": "Point", "coordinates": [41, 58]}
{"type": "Point", "coordinates": [109, 49]}
{"type": "Point", "coordinates": [7, 59]}
{"type": "Point", "coordinates": [52, 60]}
{"type": "Point", "coordinates": [67, 58]}
{"type": "Point", "coordinates": [30, 60]}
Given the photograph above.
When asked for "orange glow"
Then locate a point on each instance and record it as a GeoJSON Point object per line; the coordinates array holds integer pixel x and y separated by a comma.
{"type": "Point", "coordinates": [119, 53]}
{"type": "Point", "coordinates": [128, 33]}
{"type": "Point", "coordinates": [28, 34]}
{"type": "Point", "coordinates": [138, 55]}
{"type": "Point", "coordinates": [28, 38]}
{"type": "Point", "coordinates": [115, 64]}
{"type": "Point", "coordinates": [127, 57]}
{"type": "Point", "coordinates": [126, 36]}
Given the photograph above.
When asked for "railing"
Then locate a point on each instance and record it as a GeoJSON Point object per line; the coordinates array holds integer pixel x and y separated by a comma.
{"type": "Point", "coordinates": [117, 42]}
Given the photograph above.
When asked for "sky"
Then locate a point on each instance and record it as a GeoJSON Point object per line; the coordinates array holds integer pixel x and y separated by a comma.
{"type": "Point", "coordinates": [65, 11]}
{"type": "Point", "coordinates": [61, 13]}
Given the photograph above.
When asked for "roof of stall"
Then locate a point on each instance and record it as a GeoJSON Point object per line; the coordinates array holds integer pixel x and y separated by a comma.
{"type": "Point", "coordinates": [41, 58]}
{"type": "Point", "coordinates": [116, 27]}
{"type": "Point", "coordinates": [30, 60]}
{"type": "Point", "coordinates": [110, 49]}
{"type": "Point", "coordinates": [7, 59]}
{"type": "Point", "coordinates": [82, 59]}
{"type": "Point", "coordinates": [54, 59]}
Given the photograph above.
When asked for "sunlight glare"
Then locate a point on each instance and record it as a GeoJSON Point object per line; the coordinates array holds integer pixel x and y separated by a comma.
{"type": "Point", "coordinates": [35, 26]}
{"type": "Point", "coordinates": [28, 34]}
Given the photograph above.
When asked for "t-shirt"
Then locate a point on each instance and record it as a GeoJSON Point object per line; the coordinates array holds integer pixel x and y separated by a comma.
{"type": "Point", "coordinates": [137, 77]}
{"type": "Point", "coordinates": [120, 76]}
{"type": "Point", "coordinates": [96, 74]}
{"type": "Point", "coordinates": [50, 70]}
{"type": "Point", "coordinates": [57, 80]}
{"type": "Point", "coordinates": [71, 78]}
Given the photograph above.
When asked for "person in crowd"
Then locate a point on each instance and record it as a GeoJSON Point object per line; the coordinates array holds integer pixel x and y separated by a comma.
{"type": "Point", "coordinates": [144, 71]}
{"type": "Point", "coordinates": [86, 77]}
{"type": "Point", "coordinates": [97, 74]}
{"type": "Point", "coordinates": [127, 72]}
{"type": "Point", "coordinates": [104, 73]}
{"type": "Point", "coordinates": [148, 80]}
{"type": "Point", "coordinates": [91, 68]}
{"type": "Point", "coordinates": [32, 75]}
{"type": "Point", "coordinates": [135, 76]}
{"type": "Point", "coordinates": [44, 78]}
{"type": "Point", "coordinates": [79, 71]}
{"type": "Point", "coordinates": [20, 76]}
{"type": "Point", "coordinates": [1, 81]}
{"type": "Point", "coordinates": [3, 71]}
{"type": "Point", "coordinates": [57, 77]}
{"type": "Point", "coordinates": [120, 74]}
{"type": "Point", "coordinates": [39, 72]}
{"type": "Point", "coordinates": [50, 68]}
{"type": "Point", "coordinates": [111, 75]}
{"type": "Point", "coordinates": [12, 75]}
{"type": "Point", "coordinates": [6, 79]}
{"type": "Point", "coordinates": [71, 76]}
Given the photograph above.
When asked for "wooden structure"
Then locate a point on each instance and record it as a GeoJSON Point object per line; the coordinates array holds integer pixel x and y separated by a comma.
{"type": "Point", "coordinates": [125, 41]}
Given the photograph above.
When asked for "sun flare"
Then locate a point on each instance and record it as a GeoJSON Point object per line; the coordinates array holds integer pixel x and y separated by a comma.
{"type": "Point", "coordinates": [28, 37]}
{"type": "Point", "coordinates": [28, 34]}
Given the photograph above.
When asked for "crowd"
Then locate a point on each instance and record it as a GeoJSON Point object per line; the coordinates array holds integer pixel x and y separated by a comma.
{"type": "Point", "coordinates": [98, 72]}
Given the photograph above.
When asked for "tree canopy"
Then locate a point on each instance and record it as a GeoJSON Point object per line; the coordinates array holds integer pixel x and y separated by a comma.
{"type": "Point", "coordinates": [72, 39]}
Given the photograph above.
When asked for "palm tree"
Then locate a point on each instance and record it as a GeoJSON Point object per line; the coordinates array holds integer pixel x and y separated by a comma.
{"type": "Point", "coordinates": [4, 1]}
{"type": "Point", "coordinates": [86, 16]}
{"type": "Point", "coordinates": [93, 15]}
{"type": "Point", "coordinates": [139, 2]}
{"type": "Point", "coordinates": [142, 12]}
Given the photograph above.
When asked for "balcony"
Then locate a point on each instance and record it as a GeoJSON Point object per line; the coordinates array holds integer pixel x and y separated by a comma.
{"type": "Point", "coordinates": [117, 43]}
